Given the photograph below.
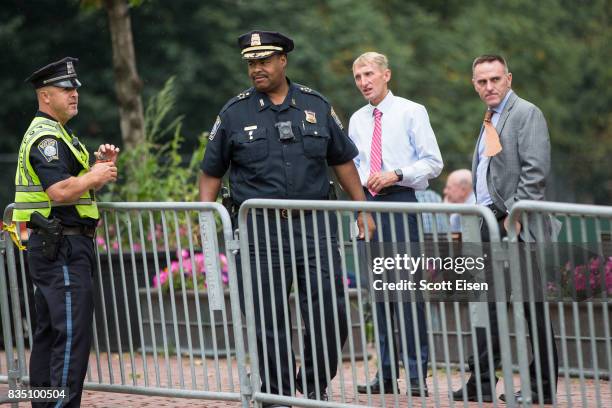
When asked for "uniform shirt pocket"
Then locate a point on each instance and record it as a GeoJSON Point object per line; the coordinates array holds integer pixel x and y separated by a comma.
{"type": "Point", "coordinates": [251, 148]}
{"type": "Point", "coordinates": [315, 140]}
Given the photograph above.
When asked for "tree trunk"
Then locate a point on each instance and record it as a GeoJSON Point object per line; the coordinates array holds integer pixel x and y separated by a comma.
{"type": "Point", "coordinates": [127, 82]}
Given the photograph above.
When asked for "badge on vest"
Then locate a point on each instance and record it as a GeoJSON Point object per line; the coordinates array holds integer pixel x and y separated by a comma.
{"type": "Point", "coordinates": [48, 148]}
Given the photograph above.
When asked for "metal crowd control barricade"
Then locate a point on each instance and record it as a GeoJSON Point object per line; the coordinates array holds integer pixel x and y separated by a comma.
{"type": "Point", "coordinates": [293, 255]}
{"type": "Point", "coordinates": [569, 252]}
{"type": "Point", "coordinates": [11, 365]}
{"type": "Point", "coordinates": [164, 293]}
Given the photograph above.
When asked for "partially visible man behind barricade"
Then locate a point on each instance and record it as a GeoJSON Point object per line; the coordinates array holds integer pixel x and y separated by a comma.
{"type": "Point", "coordinates": [458, 190]}
{"type": "Point", "coordinates": [55, 194]}
{"type": "Point", "coordinates": [277, 139]}
{"type": "Point", "coordinates": [429, 219]}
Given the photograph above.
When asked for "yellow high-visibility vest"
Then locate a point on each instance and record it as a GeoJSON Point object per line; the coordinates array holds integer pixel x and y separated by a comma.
{"type": "Point", "coordinates": [29, 193]}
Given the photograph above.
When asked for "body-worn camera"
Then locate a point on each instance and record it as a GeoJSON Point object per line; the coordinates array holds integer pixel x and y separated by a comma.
{"type": "Point", "coordinates": [285, 131]}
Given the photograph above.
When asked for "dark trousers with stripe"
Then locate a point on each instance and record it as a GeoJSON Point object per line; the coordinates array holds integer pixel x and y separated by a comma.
{"type": "Point", "coordinates": [388, 345]}
{"type": "Point", "coordinates": [64, 310]}
{"type": "Point", "coordinates": [318, 274]}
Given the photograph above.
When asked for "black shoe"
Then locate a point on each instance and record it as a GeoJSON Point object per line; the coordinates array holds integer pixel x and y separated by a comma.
{"type": "Point", "coordinates": [471, 392]}
{"type": "Point", "coordinates": [518, 396]}
{"type": "Point", "coordinates": [415, 390]}
{"type": "Point", "coordinates": [375, 387]}
{"type": "Point", "coordinates": [312, 395]}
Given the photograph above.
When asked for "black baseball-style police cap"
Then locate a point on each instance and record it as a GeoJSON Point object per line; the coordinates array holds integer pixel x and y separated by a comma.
{"type": "Point", "coordinates": [262, 44]}
{"type": "Point", "coordinates": [60, 73]}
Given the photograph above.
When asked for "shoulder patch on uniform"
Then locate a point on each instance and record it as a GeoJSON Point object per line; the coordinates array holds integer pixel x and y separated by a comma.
{"type": "Point", "coordinates": [48, 148]}
{"type": "Point", "coordinates": [246, 94]}
{"type": "Point", "coordinates": [214, 129]}
{"type": "Point", "coordinates": [336, 118]}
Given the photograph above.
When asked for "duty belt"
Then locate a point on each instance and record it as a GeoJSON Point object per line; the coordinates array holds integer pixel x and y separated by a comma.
{"type": "Point", "coordinates": [89, 232]}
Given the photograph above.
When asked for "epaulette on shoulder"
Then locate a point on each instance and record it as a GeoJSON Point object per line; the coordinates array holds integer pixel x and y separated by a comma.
{"type": "Point", "coordinates": [246, 94]}
{"type": "Point", "coordinates": [310, 91]}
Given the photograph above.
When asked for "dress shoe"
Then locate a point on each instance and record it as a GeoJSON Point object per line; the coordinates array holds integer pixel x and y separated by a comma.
{"type": "Point", "coordinates": [415, 390]}
{"type": "Point", "coordinates": [375, 387]}
{"type": "Point", "coordinates": [471, 392]}
{"type": "Point", "coordinates": [312, 395]}
{"type": "Point", "coordinates": [518, 396]}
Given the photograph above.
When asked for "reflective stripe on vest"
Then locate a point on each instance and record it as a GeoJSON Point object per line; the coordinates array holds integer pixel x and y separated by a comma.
{"type": "Point", "coordinates": [45, 204]}
{"type": "Point", "coordinates": [29, 193]}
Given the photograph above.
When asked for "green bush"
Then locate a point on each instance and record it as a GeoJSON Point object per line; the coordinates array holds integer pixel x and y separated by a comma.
{"type": "Point", "coordinates": [156, 170]}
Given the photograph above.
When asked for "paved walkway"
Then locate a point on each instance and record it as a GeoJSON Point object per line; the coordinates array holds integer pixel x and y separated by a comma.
{"type": "Point", "coordinates": [215, 376]}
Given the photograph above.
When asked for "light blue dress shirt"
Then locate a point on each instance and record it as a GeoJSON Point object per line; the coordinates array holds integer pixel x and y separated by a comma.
{"type": "Point", "coordinates": [430, 196]}
{"type": "Point", "coordinates": [455, 219]}
{"type": "Point", "coordinates": [482, 191]}
{"type": "Point", "coordinates": [408, 141]}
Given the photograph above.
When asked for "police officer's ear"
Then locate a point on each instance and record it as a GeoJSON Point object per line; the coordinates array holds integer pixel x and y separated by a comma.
{"type": "Point", "coordinates": [283, 59]}
{"type": "Point", "coordinates": [43, 94]}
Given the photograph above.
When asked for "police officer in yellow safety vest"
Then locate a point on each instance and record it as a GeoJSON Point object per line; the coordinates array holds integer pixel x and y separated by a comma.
{"type": "Point", "coordinates": [54, 194]}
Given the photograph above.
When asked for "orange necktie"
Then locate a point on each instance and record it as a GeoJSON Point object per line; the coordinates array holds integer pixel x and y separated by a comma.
{"type": "Point", "coordinates": [492, 144]}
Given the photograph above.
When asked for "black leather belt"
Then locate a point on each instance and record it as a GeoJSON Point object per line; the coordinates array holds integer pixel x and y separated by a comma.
{"type": "Point", "coordinates": [80, 230]}
{"type": "Point", "coordinates": [283, 213]}
{"type": "Point", "coordinates": [391, 189]}
{"type": "Point", "coordinates": [499, 214]}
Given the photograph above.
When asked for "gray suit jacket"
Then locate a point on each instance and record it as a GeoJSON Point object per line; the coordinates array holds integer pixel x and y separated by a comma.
{"type": "Point", "coordinates": [520, 170]}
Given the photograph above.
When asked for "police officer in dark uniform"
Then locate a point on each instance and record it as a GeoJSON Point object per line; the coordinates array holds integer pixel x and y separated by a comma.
{"type": "Point", "coordinates": [278, 138]}
{"type": "Point", "coordinates": [54, 194]}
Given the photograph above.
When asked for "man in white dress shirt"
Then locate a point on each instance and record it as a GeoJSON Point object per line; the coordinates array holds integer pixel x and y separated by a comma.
{"type": "Point", "coordinates": [398, 154]}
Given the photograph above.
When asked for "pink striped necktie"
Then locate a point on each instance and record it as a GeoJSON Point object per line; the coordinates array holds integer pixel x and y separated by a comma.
{"type": "Point", "coordinates": [376, 148]}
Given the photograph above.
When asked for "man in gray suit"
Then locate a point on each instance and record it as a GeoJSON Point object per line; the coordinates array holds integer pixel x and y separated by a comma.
{"type": "Point", "coordinates": [511, 163]}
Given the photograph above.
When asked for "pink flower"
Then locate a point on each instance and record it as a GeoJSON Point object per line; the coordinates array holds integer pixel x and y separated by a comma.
{"type": "Point", "coordinates": [200, 267]}
{"type": "Point", "coordinates": [608, 268]}
{"type": "Point", "coordinates": [594, 280]}
{"type": "Point", "coordinates": [101, 242]}
{"type": "Point", "coordinates": [579, 278]}
{"type": "Point", "coordinates": [594, 265]}
{"type": "Point", "coordinates": [224, 265]}
{"type": "Point", "coordinates": [187, 266]}
{"type": "Point", "coordinates": [160, 279]}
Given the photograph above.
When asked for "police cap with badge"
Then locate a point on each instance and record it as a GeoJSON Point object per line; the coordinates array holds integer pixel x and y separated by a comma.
{"type": "Point", "coordinates": [263, 44]}
{"type": "Point", "coordinates": [60, 73]}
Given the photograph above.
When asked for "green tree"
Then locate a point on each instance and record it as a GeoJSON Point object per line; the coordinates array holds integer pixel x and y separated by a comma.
{"type": "Point", "coordinates": [558, 51]}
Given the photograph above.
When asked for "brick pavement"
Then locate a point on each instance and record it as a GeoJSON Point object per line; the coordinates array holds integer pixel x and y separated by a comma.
{"type": "Point", "coordinates": [206, 373]}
